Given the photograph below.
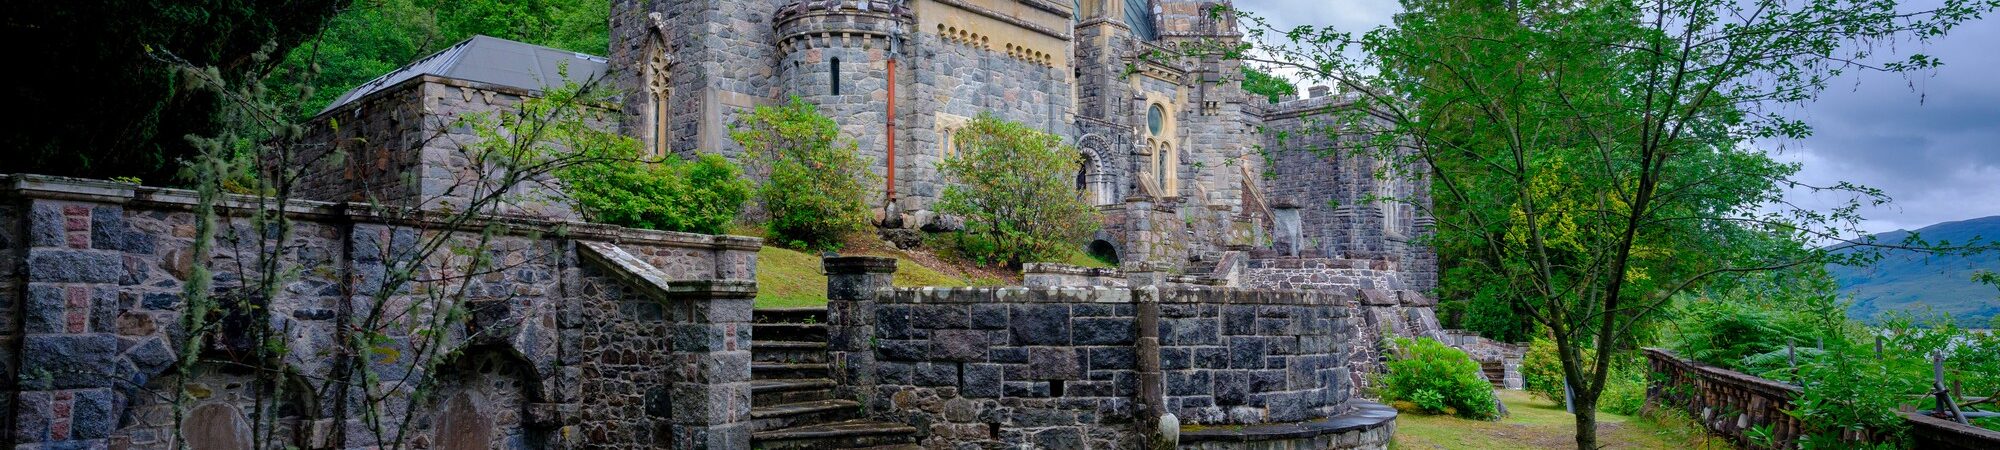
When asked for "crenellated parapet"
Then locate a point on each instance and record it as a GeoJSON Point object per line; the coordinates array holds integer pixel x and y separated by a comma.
{"type": "Point", "coordinates": [838, 22]}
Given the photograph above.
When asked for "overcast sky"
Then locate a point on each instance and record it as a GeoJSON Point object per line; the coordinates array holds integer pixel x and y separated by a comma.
{"type": "Point", "coordinates": [1932, 141]}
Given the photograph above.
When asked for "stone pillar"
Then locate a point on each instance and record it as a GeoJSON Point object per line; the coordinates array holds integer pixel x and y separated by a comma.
{"type": "Point", "coordinates": [70, 373]}
{"type": "Point", "coordinates": [710, 381]}
{"type": "Point", "coordinates": [852, 283]}
{"type": "Point", "coordinates": [1288, 229]}
{"type": "Point", "coordinates": [1146, 349]}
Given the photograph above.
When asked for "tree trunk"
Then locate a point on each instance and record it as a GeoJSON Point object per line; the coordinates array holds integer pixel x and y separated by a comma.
{"type": "Point", "coordinates": [1586, 419]}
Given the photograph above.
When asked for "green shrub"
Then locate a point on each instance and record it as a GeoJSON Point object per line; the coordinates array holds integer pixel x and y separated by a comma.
{"type": "Point", "coordinates": [1014, 186]}
{"type": "Point", "coordinates": [1541, 369]}
{"type": "Point", "coordinates": [1438, 379]}
{"type": "Point", "coordinates": [814, 188]}
{"type": "Point", "coordinates": [699, 196]}
{"type": "Point", "coordinates": [1624, 390]}
{"type": "Point", "coordinates": [604, 174]}
{"type": "Point", "coordinates": [1851, 390]}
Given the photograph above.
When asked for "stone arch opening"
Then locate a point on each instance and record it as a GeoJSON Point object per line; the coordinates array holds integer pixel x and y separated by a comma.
{"type": "Point", "coordinates": [230, 407]}
{"type": "Point", "coordinates": [1092, 183]}
{"type": "Point", "coordinates": [1103, 250]}
{"type": "Point", "coordinates": [482, 401]}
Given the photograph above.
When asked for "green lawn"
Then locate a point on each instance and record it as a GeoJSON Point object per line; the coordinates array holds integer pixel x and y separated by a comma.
{"type": "Point", "coordinates": [1536, 423]}
{"type": "Point", "coordinates": [789, 278]}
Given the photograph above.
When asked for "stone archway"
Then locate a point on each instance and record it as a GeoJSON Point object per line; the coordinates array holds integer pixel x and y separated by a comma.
{"type": "Point", "coordinates": [1103, 250]}
{"type": "Point", "coordinates": [482, 401]}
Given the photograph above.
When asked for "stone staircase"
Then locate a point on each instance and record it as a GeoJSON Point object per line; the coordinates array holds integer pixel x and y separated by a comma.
{"type": "Point", "coordinates": [792, 395]}
{"type": "Point", "coordinates": [1495, 372]}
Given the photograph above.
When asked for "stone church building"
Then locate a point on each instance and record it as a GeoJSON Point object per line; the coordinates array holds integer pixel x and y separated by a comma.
{"type": "Point", "coordinates": [1186, 166]}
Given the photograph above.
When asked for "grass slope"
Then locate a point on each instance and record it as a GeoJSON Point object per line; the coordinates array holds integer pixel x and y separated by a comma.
{"type": "Point", "coordinates": [1536, 423]}
{"type": "Point", "coordinates": [1905, 281]}
{"type": "Point", "coordinates": [790, 278]}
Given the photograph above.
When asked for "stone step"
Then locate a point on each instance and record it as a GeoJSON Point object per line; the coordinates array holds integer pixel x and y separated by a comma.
{"type": "Point", "coordinates": [800, 332]}
{"type": "Point", "coordinates": [781, 391]}
{"type": "Point", "coordinates": [810, 314]}
{"type": "Point", "coordinates": [772, 371]}
{"type": "Point", "coordinates": [846, 434]}
{"type": "Point", "coordinates": [802, 413]}
{"type": "Point", "coordinates": [787, 351]}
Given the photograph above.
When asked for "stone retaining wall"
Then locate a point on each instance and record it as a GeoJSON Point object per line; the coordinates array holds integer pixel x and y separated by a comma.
{"type": "Point", "coordinates": [554, 347]}
{"type": "Point", "coordinates": [1730, 403]}
{"type": "Point", "coordinates": [1083, 367]}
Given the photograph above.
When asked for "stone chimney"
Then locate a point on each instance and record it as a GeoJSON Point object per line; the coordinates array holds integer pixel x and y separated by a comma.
{"type": "Point", "coordinates": [1319, 91]}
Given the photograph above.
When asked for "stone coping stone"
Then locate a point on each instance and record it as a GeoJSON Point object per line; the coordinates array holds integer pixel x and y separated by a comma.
{"type": "Point", "coordinates": [1366, 415]}
{"type": "Point", "coordinates": [1068, 269]}
{"type": "Point", "coordinates": [1102, 294]}
{"type": "Point", "coordinates": [119, 193]}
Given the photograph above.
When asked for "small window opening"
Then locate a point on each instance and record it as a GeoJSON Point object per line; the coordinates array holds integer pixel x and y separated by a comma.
{"type": "Point", "coordinates": [1055, 388]}
{"type": "Point", "coordinates": [833, 73]}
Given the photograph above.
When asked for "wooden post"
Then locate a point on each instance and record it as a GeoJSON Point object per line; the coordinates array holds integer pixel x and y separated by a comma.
{"type": "Point", "coordinates": [1944, 396]}
{"type": "Point", "coordinates": [1792, 357]}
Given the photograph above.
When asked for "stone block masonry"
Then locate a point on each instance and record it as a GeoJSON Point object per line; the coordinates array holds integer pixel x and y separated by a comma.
{"type": "Point", "coordinates": [579, 335]}
{"type": "Point", "coordinates": [1088, 367]}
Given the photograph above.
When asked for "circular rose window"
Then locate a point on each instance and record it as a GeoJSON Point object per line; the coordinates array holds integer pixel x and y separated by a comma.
{"type": "Point", "coordinates": [1155, 117]}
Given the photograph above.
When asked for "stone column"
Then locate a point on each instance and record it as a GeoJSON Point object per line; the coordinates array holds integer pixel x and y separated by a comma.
{"type": "Point", "coordinates": [852, 284]}
{"type": "Point", "coordinates": [1146, 349]}
{"type": "Point", "coordinates": [1288, 229]}
{"type": "Point", "coordinates": [70, 370]}
{"type": "Point", "coordinates": [710, 381]}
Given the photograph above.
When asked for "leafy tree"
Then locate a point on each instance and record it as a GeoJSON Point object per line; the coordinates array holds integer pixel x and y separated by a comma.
{"type": "Point", "coordinates": [378, 36]}
{"type": "Point", "coordinates": [106, 82]}
{"type": "Point", "coordinates": [1596, 157]}
{"type": "Point", "coordinates": [1272, 87]}
{"type": "Point", "coordinates": [814, 186]}
{"type": "Point", "coordinates": [1480, 304]}
{"type": "Point", "coordinates": [1013, 186]}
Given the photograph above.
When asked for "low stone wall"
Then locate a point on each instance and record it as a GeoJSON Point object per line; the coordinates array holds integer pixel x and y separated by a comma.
{"type": "Point", "coordinates": [1065, 275]}
{"type": "Point", "coordinates": [569, 340]}
{"type": "Point", "coordinates": [1084, 367]}
{"type": "Point", "coordinates": [1490, 354]}
{"type": "Point", "coordinates": [1729, 403]}
{"type": "Point", "coordinates": [1235, 356]}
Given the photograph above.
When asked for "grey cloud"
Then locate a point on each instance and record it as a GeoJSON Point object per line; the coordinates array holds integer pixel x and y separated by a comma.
{"type": "Point", "coordinates": [1931, 141]}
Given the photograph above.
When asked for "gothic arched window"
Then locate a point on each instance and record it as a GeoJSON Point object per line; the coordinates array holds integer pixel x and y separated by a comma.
{"type": "Point", "coordinates": [660, 91]}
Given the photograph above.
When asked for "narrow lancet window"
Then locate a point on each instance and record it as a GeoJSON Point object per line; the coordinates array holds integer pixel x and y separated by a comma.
{"type": "Point", "coordinates": [833, 75]}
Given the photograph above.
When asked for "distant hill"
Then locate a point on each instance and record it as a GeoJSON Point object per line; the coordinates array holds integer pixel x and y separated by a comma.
{"type": "Point", "coordinates": [1906, 281]}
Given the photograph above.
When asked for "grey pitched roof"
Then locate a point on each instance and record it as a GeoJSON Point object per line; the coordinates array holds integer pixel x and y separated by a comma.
{"type": "Point", "coordinates": [490, 60]}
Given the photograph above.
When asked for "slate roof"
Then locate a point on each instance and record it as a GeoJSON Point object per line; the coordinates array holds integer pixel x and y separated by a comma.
{"type": "Point", "coordinates": [490, 60]}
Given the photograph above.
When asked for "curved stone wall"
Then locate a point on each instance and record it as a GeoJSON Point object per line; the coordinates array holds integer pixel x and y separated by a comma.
{"type": "Point", "coordinates": [1084, 367]}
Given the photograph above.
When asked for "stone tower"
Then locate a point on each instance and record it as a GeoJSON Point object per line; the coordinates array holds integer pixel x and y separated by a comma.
{"type": "Point", "coordinates": [684, 68]}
